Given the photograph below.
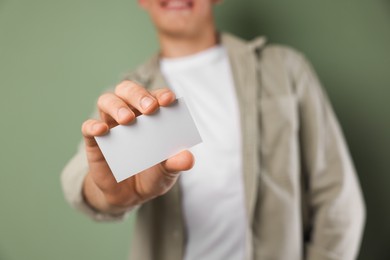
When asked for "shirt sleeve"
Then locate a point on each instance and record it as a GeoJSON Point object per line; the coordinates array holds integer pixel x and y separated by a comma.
{"type": "Point", "coordinates": [335, 201]}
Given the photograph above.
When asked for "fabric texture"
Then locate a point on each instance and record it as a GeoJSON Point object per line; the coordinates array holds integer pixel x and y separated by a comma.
{"type": "Point", "coordinates": [212, 191]}
{"type": "Point", "coordinates": [302, 195]}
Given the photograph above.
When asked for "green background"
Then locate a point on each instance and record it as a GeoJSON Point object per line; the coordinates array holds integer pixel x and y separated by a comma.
{"type": "Point", "coordinates": [57, 56]}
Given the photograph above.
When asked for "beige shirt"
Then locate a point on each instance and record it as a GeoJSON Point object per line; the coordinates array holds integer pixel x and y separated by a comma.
{"type": "Point", "coordinates": [302, 196]}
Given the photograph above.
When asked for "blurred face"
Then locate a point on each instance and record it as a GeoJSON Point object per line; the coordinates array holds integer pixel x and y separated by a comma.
{"type": "Point", "coordinates": [180, 18]}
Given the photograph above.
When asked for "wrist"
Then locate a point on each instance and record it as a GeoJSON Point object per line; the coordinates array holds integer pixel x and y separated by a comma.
{"type": "Point", "coordinates": [103, 202]}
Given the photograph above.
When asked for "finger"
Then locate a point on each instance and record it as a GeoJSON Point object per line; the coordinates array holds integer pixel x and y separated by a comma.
{"type": "Point", "coordinates": [113, 106]}
{"type": "Point", "coordinates": [182, 161]}
{"type": "Point", "coordinates": [106, 118]}
{"type": "Point", "coordinates": [136, 96]}
{"type": "Point", "coordinates": [164, 96]}
{"type": "Point", "coordinates": [92, 128]}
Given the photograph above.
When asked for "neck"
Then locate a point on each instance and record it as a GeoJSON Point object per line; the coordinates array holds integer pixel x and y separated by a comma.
{"type": "Point", "coordinates": [174, 47]}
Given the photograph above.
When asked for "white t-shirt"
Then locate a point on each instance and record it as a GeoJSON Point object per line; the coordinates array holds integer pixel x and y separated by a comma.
{"type": "Point", "coordinates": [213, 193]}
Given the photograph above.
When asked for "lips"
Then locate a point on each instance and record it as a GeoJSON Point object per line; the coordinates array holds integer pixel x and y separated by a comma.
{"type": "Point", "coordinates": [177, 4]}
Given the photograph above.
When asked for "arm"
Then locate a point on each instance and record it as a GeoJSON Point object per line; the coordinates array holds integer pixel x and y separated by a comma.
{"type": "Point", "coordinates": [87, 180]}
{"type": "Point", "coordinates": [334, 196]}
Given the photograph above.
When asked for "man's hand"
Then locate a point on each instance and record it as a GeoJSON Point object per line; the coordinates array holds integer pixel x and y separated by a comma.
{"type": "Point", "coordinates": [100, 187]}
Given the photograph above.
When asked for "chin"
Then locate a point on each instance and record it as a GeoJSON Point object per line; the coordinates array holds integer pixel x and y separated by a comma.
{"type": "Point", "coordinates": [177, 32]}
{"type": "Point", "coordinates": [178, 24]}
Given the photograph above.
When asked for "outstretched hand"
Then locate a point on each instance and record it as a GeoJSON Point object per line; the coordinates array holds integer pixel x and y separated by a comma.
{"type": "Point", "coordinates": [100, 188]}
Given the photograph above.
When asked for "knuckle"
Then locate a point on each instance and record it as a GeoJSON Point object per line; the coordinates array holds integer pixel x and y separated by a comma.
{"type": "Point", "coordinates": [140, 92]}
{"type": "Point", "coordinates": [125, 87]}
{"type": "Point", "coordinates": [103, 99]}
{"type": "Point", "coordinates": [119, 88]}
{"type": "Point", "coordinates": [164, 90]}
{"type": "Point", "coordinates": [130, 90]}
{"type": "Point", "coordinates": [85, 125]}
{"type": "Point", "coordinates": [108, 101]}
{"type": "Point", "coordinates": [114, 103]}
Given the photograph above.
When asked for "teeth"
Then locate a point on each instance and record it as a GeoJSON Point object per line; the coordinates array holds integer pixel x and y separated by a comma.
{"type": "Point", "coordinates": [177, 4]}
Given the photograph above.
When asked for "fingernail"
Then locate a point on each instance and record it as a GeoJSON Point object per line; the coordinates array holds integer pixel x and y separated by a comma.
{"type": "Point", "coordinates": [123, 114]}
{"type": "Point", "coordinates": [146, 102]}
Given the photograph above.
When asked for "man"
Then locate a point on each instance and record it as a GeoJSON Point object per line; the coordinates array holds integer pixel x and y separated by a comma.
{"type": "Point", "coordinates": [272, 178]}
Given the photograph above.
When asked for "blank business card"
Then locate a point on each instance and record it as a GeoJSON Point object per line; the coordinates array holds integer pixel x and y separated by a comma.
{"type": "Point", "coordinates": [149, 140]}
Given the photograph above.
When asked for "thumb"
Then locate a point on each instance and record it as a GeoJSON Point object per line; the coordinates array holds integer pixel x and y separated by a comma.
{"type": "Point", "coordinates": [182, 161]}
{"type": "Point", "coordinates": [159, 179]}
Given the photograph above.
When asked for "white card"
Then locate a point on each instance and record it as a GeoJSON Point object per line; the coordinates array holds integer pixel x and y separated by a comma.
{"type": "Point", "coordinates": [148, 140]}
